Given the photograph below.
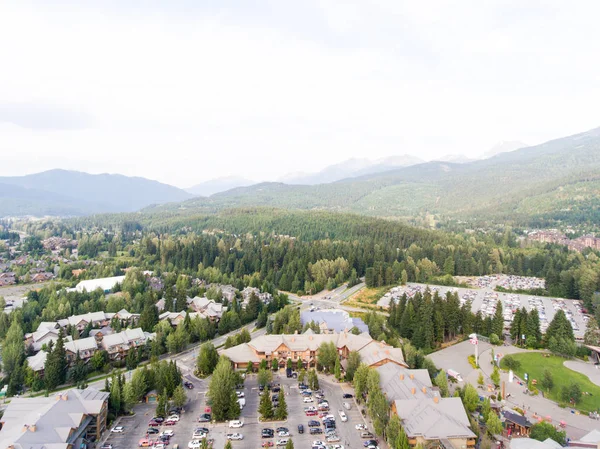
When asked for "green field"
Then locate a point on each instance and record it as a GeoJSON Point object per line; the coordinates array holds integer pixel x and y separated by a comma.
{"type": "Point", "coordinates": [534, 364]}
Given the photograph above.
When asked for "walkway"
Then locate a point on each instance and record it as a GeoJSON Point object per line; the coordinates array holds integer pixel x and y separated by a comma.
{"type": "Point", "coordinates": [587, 369]}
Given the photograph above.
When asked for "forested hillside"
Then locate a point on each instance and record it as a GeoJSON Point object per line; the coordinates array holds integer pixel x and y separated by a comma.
{"type": "Point", "coordinates": [282, 247]}
{"type": "Point", "coordinates": [545, 182]}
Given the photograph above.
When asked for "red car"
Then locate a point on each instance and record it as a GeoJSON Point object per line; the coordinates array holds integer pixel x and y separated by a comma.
{"type": "Point", "coordinates": [153, 423]}
{"type": "Point", "coordinates": [267, 444]}
{"type": "Point", "coordinates": [311, 413]}
{"type": "Point", "coordinates": [170, 423]}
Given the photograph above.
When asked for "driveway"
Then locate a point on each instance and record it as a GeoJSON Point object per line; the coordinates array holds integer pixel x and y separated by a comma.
{"type": "Point", "coordinates": [587, 369]}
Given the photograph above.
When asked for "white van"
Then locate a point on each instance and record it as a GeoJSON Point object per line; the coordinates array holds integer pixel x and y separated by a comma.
{"type": "Point", "coordinates": [343, 416]}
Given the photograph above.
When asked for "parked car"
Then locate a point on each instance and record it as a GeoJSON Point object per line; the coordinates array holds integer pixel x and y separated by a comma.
{"type": "Point", "coordinates": [347, 396]}
{"type": "Point", "coordinates": [276, 389]}
{"type": "Point", "coordinates": [283, 433]}
{"type": "Point", "coordinates": [205, 417]}
{"type": "Point", "coordinates": [194, 444]}
{"type": "Point", "coordinates": [173, 418]}
{"type": "Point", "coordinates": [347, 405]}
{"type": "Point", "coordinates": [118, 429]}
{"type": "Point", "coordinates": [343, 416]}
{"type": "Point", "coordinates": [300, 429]}
{"type": "Point", "coordinates": [106, 446]}
{"type": "Point", "coordinates": [145, 442]}
{"type": "Point", "coordinates": [316, 430]}
{"type": "Point", "coordinates": [159, 445]}
{"type": "Point", "coordinates": [267, 433]}
{"type": "Point", "coordinates": [158, 419]}
{"type": "Point", "coordinates": [235, 424]}
{"type": "Point", "coordinates": [311, 413]}
{"type": "Point", "coordinates": [313, 423]}
{"type": "Point", "coordinates": [360, 427]}
{"type": "Point", "coordinates": [371, 442]}
{"type": "Point", "coordinates": [170, 422]}
{"type": "Point", "coordinates": [152, 431]}
{"type": "Point", "coordinates": [201, 430]}
{"type": "Point", "coordinates": [153, 423]}
{"type": "Point", "coordinates": [188, 385]}
{"type": "Point", "coordinates": [366, 434]}
{"type": "Point", "coordinates": [235, 436]}
{"type": "Point", "coordinates": [240, 394]}
{"type": "Point", "coordinates": [168, 433]}
{"type": "Point", "coordinates": [333, 438]}
{"type": "Point", "coordinates": [308, 399]}
{"type": "Point", "coordinates": [282, 442]}
{"type": "Point", "coordinates": [268, 444]}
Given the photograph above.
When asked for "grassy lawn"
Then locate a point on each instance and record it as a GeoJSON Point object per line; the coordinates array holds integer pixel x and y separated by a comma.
{"type": "Point", "coordinates": [534, 364]}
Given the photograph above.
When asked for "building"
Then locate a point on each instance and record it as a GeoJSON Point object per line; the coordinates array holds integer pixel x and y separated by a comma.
{"type": "Point", "coordinates": [303, 349]}
{"type": "Point", "coordinates": [530, 443]}
{"type": "Point", "coordinates": [104, 284]}
{"type": "Point", "coordinates": [118, 345]}
{"type": "Point", "coordinates": [264, 297]}
{"type": "Point", "coordinates": [333, 320]}
{"type": "Point", "coordinates": [69, 420]}
{"type": "Point", "coordinates": [86, 347]}
{"type": "Point", "coordinates": [38, 362]}
{"type": "Point", "coordinates": [590, 440]}
{"type": "Point", "coordinates": [427, 418]}
{"type": "Point", "coordinates": [516, 425]}
{"type": "Point", "coordinates": [207, 308]}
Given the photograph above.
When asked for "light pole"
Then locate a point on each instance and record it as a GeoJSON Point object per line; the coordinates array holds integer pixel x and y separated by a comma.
{"type": "Point", "coordinates": [475, 341]}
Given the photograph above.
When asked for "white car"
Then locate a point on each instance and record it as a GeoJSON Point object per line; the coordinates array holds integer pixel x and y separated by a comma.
{"type": "Point", "coordinates": [240, 394]}
{"type": "Point", "coordinates": [282, 442]}
{"type": "Point", "coordinates": [158, 445]}
{"type": "Point", "coordinates": [173, 418]}
{"type": "Point", "coordinates": [166, 433]}
{"type": "Point", "coordinates": [318, 443]}
{"type": "Point", "coordinates": [235, 436]}
{"type": "Point", "coordinates": [360, 427]}
{"type": "Point", "coordinates": [308, 399]}
{"type": "Point", "coordinates": [336, 446]}
{"type": "Point", "coordinates": [235, 424]}
{"type": "Point", "coordinates": [118, 429]}
{"type": "Point", "coordinates": [194, 444]}
{"type": "Point", "coordinates": [283, 434]}
{"type": "Point", "coordinates": [343, 416]}
{"type": "Point", "coordinates": [333, 438]}
{"type": "Point", "coordinates": [199, 435]}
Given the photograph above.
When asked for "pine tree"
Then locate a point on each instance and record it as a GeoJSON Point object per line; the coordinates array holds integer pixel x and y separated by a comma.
{"type": "Point", "coordinates": [55, 369]}
{"type": "Point", "coordinates": [179, 396]}
{"type": "Point", "coordinates": [265, 407]}
{"type": "Point", "coordinates": [221, 391]}
{"type": "Point", "coordinates": [281, 412]}
{"type": "Point", "coordinates": [498, 320]}
{"type": "Point", "coordinates": [161, 406]}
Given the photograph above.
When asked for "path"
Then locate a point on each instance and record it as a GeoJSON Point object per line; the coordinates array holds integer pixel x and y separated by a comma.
{"type": "Point", "coordinates": [587, 369]}
{"type": "Point", "coordinates": [577, 425]}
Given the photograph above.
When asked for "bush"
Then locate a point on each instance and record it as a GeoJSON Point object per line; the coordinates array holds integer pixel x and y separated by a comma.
{"type": "Point", "coordinates": [511, 363]}
{"type": "Point", "coordinates": [472, 361]}
{"type": "Point", "coordinates": [494, 339]}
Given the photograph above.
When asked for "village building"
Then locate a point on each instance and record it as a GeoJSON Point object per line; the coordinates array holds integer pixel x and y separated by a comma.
{"type": "Point", "coordinates": [118, 345]}
{"type": "Point", "coordinates": [207, 308]}
{"type": "Point", "coordinates": [68, 420]}
{"type": "Point", "coordinates": [303, 349]}
{"type": "Point", "coordinates": [86, 347]}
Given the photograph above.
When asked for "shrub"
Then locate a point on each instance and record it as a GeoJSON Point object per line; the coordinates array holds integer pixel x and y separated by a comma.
{"type": "Point", "coordinates": [472, 361]}
{"type": "Point", "coordinates": [494, 339]}
{"type": "Point", "coordinates": [511, 363]}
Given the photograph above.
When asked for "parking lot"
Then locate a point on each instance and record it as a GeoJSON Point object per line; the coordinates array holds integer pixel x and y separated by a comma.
{"type": "Point", "coordinates": [135, 427]}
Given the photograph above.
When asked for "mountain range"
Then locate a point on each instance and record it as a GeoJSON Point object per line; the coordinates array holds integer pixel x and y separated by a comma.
{"type": "Point", "coordinates": [552, 179]}
{"type": "Point", "coordinates": [557, 179]}
{"type": "Point", "coordinates": [66, 193]}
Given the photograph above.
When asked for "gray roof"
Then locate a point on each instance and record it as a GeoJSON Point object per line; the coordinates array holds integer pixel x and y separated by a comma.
{"type": "Point", "coordinates": [37, 423]}
{"type": "Point", "coordinates": [83, 344]}
{"type": "Point", "coordinates": [399, 383]}
{"type": "Point", "coordinates": [434, 418]}
{"type": "Point", "coordinates": [37, 362]}
{"type": "Point", "coordinates": [530, 443]}
{"type": "Point", "coordinates": [123, 338]}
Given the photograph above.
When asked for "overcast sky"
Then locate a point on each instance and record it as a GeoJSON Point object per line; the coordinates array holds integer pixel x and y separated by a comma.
{"type": "Point", "coordinates": [185, 91]}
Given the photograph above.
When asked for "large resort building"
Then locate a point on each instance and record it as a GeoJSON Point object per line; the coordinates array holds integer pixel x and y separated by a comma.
{"type": "Point", "coordinates": [302, 349]}
{"type": "Point", "coordinates": [428, 419]}
{"type": "Point", "coordinates": [68, 420]}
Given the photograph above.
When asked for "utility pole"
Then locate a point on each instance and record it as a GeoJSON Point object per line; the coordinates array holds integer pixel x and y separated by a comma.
{"type": "Point", "coordinates": [475, 341]}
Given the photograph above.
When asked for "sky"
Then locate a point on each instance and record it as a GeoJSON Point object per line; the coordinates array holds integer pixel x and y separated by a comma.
{"type": "Point", "coordinates": [190, 90]}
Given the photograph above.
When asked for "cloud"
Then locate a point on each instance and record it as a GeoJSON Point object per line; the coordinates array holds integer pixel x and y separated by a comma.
{"type": "Point", "coordinates": [186, 91]}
